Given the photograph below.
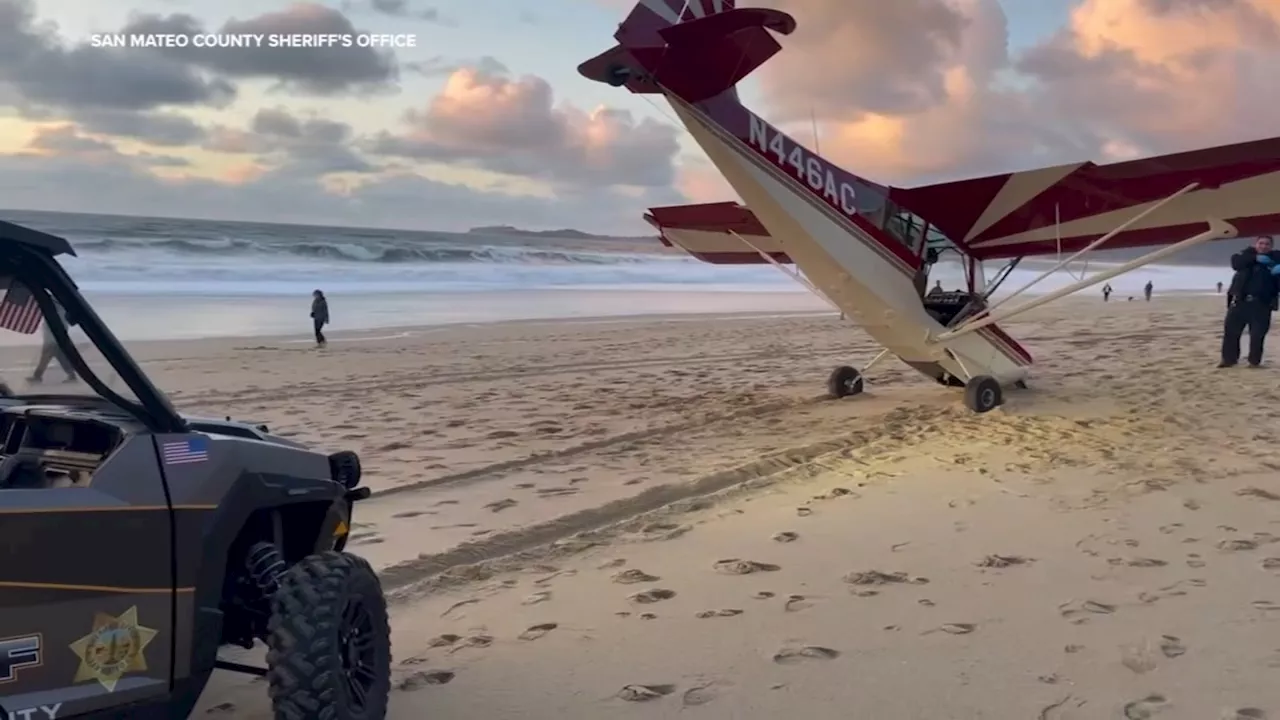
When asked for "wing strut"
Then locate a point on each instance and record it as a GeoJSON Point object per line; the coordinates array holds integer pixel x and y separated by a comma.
{"type": "Point", "coordinates": [1218, 229]}
{"type": "Point", "coordinates": [793, 275]}
{"type": "Point", "coordinates": [1095, 244]}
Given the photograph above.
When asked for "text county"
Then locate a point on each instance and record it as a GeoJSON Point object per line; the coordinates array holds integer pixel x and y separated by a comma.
{"type": "Point", "coordinates": [253, 40]}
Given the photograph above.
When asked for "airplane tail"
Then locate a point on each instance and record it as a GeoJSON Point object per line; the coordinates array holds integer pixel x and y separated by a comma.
{"type": "Point", "coordinates": [696, 49]}
{"type": "Point", "coordinates": [695, 52]}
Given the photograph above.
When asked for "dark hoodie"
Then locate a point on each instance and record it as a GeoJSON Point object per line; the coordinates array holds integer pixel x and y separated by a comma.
{"type": "Point", "coordinates": [320, 310]}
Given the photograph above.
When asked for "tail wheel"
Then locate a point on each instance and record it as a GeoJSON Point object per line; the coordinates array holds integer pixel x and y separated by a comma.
{"type": "Point", "coordinates": [329, 641]}
{"type": "Point", "coordinates": [844, 381]}
{"type": "Point", "coordinates": [983, 394]}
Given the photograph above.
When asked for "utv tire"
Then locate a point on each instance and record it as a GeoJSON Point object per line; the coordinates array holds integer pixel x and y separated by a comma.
{"type": "Point", "coordinates": [329, 641]}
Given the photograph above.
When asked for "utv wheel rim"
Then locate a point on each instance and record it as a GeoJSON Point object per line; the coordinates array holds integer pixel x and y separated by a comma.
{"type": "Point", "coordinates": [359, 653]}
{"type": "Point", "coordinates": [987, 398]}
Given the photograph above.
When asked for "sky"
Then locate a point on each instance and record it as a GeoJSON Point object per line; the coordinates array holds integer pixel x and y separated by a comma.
{"type": "Point", "coordinates": [486, 121]}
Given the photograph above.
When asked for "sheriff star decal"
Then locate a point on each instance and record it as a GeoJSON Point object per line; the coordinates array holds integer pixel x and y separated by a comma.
{"type": "Point", "coordinates": [112, 649]}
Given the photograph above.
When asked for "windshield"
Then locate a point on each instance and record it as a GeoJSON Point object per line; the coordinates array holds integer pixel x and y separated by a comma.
{"type": "Point", "coordinates": [35, 362]}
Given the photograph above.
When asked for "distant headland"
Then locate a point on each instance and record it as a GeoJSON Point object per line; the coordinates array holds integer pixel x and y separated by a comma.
{"type": "Point", "coordinates": [563, 233]}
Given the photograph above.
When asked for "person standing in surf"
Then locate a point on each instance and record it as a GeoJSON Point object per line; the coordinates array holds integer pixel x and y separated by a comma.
{"type": "Point", "coordinates": [1146, 291]}
{"type": "Point", "coordinates": [1106, 292]}
{"type": "Point", "coordinates": [319, 316]}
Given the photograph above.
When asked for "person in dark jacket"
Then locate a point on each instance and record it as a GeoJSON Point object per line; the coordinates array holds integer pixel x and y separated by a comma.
{"type": "Point", "coordinates": [1147, 290]}
{"type": "Point", "coordinates": [1251, 298]}
{"type": "Point", "coordinates": [319, 316]}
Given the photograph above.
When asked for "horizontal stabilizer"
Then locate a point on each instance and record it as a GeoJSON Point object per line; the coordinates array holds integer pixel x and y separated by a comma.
{"type": "Point", "coordinates": [723, 233]}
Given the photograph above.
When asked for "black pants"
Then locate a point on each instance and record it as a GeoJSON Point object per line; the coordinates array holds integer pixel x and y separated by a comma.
{"type": "Point", "coordinates": [1250, 314]}
{"type": "Point", "coordinates": [318, 326]}
{"type": "Point", "coordinates": [48, 353]}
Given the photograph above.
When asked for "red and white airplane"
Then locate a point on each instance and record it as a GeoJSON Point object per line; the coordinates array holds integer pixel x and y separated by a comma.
{"type": "Point", "coordinates": [867, 247]}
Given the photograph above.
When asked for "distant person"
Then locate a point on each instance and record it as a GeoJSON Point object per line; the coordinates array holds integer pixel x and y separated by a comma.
{"type": "Point", "coordinates": [1251, 299]}
{"type": "Point", "coordinates": [937, 288]}
{"type": "Point", "coordinates": [50, 351]}
{"type": "Point", "coordinates": [319, 316]}
{"type": "Point", "coordinates": [1219, 287]}
{"type": "Point", "coordinates": [1146, 290]}
{"type": "Point", "coordinates": [1106, 292]}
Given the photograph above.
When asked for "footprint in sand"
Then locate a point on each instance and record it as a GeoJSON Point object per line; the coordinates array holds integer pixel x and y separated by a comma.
{"type": "Point", "coordinates": [633, 576]}
{"type": "Point", "coordinates": [734, 566]}
{"type": "Point", "coordinates": [1140, 562]}
{"type": "Point", "coordinates": [1146, 708]}
{"type": "Point", "coordinates": [1003, 561]}
{"type": "Point", "coordinates": [538, 597]}
{"type": "Point", "coordinates": [648, 616]}
{"type": "Point", "coordinates": [1257, 493]}
{"type": "Point", "coordinates": [763, 595]}
{"type": "Point", "coordinates": [726, 612]}
{"type": "Point", "coordinates": [834, 493]}
{"type": "Point", "coordinates": [1265, 605]}
{"type": "Point", "coordinates": [953, 629]}
{"type": "Point", "coordinates": [500, 505]}
{"type": "Point", "coordinates": [701, 695]}
{"type": "Point", "coordinates": [419, 680]}
{"type": "Point", "coordinates": [876, 577]}
{"type": "Point", "coordinates": [443, 640]}
{"type": "Point", "coordinates": [785, 536]}
{"type": "Point", "coordinates": [525, 486]}
{"type": "Point", "coordinates": [1078, 611]}
{"type": "Point", "coordinates": [474, 641]}
{"type": "Point", "coordinates": [557, 492]}
{"type": "Point", "coordinates": [664, 531]}
{"type": "Point", "coordinates": [1271, 563]}
{"type": "Point", "coordinates": [794, 655]}
{"type": "Point", "coordinates": [367, 539]}
{"type": "Point", "coordinates": [536, 631]}
{"type": "Point", "coordinates": [411, 514]}
{"type": "Point", "coordinates": [1244, 714]}
{"type": "Point", "coordinates": [645, 693]}
{"type": "Point", "coordinates": [649, 597]}
{"type": "Point", "coordinates": [804, 511]}
{"type": "Point", "coordinates": [610, 564]}
{"type": "Point", "coordinates": [1171, 646]}
{"type": "Point", "coordinates": [795, 603]}
{"type": "Point", "coordinates": [1230, 545]}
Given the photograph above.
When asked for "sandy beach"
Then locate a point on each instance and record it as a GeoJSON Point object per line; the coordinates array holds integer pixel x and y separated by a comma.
{"type": "Point", "coordinates": [656, 517]}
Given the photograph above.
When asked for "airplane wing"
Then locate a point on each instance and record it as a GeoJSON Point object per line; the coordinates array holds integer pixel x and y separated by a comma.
{"type": "Point", "coordinates": [1064, 208]}
{"type": "Point", "coordinates": [723, 233]}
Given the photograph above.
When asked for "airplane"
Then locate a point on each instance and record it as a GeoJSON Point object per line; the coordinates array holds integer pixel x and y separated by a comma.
{"type": "Point", "coordinates": [867, 248]}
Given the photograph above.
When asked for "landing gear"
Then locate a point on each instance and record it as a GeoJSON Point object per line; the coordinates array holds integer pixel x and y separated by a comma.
{"type": "Point", "coordinates": [983, 394]}
{"type": "Point", "coordinates": [844, 381]}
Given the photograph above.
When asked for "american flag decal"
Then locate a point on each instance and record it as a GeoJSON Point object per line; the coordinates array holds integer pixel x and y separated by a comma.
{"type": "Point", "coordinates": [184, 452]}
{"type": "Point", "coordinates": [19, 311]}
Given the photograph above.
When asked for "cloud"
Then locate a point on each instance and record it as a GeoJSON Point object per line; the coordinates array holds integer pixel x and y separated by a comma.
{"type": "Point", "coordinates": [38, 68]}
{"type": "Point", "coordinates": [312, 70]}
{"type": "Point", "coordinates": [485, 118]}
{"type": "Point", "coordinates": [67, 174]}
{"type": "Point", "coordinates": [922, 90]}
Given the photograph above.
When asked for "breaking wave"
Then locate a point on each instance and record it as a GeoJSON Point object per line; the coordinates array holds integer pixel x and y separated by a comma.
{"type": "Point", "coordinates": [378, 251]}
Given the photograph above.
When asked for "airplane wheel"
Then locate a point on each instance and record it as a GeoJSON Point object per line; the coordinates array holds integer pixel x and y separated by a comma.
{"type": "Point", "coordinates": [844, 381]}
{"type": "Point", "coordinates": [983, 394]}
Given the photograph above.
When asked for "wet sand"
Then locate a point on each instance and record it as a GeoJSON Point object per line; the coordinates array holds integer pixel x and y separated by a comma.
{"type": "Point", "coordinates": [633, 518]}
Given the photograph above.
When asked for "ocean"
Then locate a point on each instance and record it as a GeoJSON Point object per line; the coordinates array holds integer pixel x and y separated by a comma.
{"type": "Point", "coordinates": [160, 278]}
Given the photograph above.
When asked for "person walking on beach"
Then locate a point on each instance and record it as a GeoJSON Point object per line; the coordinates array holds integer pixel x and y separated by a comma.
{"type": "Point", "coordinates": [1106, 292]}
{"type": "Point", "coordinates": [1219, 287]}
{"type": "Point", "coordinates": [1251, 299]}
{"type": "Point", "coordinates": [1146, 291]}
{"type": "Point", "coordinates": [49, 351]}
{"type": "Point", "coordinates": [319, 316]}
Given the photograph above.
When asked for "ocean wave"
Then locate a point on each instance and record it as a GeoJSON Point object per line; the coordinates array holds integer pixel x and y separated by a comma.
{"type": "Point", "coordinates": [377, 252]}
